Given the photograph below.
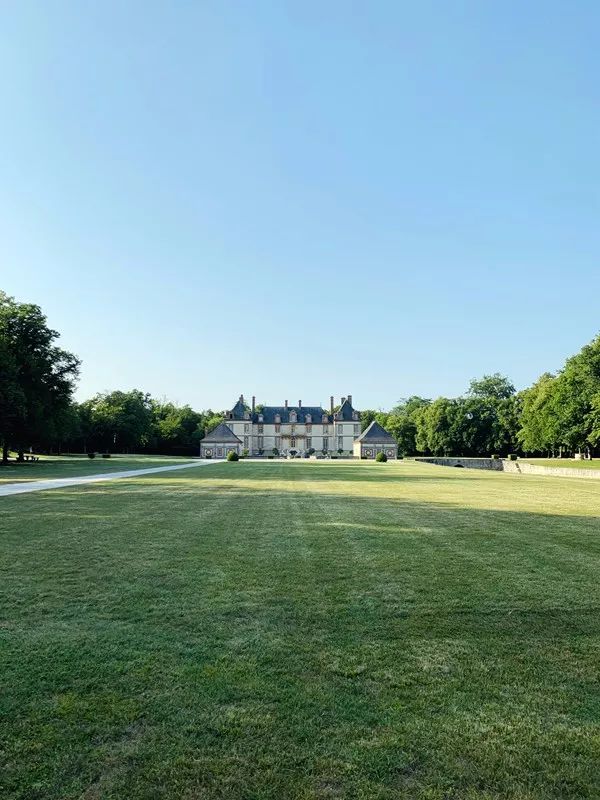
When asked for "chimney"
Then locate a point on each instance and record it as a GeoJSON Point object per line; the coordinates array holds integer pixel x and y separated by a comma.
{"type": "Point", "coordinates": [331, 404]}
{"type": "Point", "coordinates": [286, 403]}
{"type": "Point", "coordinates": [343, 400]}
{"type": "Point", "coordinates": [350, 399]}
{"type": "Point", "coordinates": [242, 398]}
{"type": "Point", "coordinates": [299, 403]}
{"type": "Point", "coordinates": [253, 403]}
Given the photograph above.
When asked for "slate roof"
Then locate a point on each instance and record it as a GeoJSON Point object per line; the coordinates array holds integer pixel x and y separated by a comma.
{"type": "Point", "coordinates": [239, 410]}
{"type": "Point", "coordinates": [345, 412]}
{"type": "Point", "coordinates": [221, 434]}
{"type": "Point", "coordinates": [269, 413]}
{"type": "Point", "coordinates": [376, 435]}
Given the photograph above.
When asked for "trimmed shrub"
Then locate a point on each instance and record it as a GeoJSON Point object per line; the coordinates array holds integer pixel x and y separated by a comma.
{"type": "Point", "coordinates": [512, 456]}
{"type": "Point", "coordinates": [232, 456]}
{"type": "Point", "coordinates": [91, 455]}
{"type": "Point", "coordinates": [275, 451]}
{"type": "Point", "coordinates": [381, 457]}
{"type": "Point", "coordinates": [208, 455]}
{"type": "Point", "coordinates": [495, 457]}
{"type": "Point", "coordinates": [333, 456]}
{"type": "Point", "coordinates": [245, 453]}
{"type": "Point", "coordinates": [105, 455]}
{"type": "Point", "coordinates": [270, 456]}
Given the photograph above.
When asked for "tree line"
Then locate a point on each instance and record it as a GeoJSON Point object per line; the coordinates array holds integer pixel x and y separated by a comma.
{"type": "Point", "coordinates": [37, 410]}
{"type": "Point", "coordinates": [559, 414]}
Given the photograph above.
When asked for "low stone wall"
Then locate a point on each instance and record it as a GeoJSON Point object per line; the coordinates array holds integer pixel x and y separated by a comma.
{"type": "Point", "coordinates": [469, 463]}
{"type": "Point", "coordinates": [514, 467]}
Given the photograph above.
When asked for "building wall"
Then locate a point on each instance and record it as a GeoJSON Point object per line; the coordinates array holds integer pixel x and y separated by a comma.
{"type": "Point", "coordinates": [295, 436]}
{"type": "Point", "coordinates": [218, 449]}
{"type": "Point", "coordinates": [366, 450]}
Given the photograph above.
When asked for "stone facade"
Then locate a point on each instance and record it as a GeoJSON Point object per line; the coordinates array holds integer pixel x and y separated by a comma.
{"type": "Point", "coordinates": [375, 439]}
{"type": "Point", "coordinates": [299, 428]}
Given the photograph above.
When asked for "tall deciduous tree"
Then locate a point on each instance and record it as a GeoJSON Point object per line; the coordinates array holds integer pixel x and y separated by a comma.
{"type": "Point", "coordinates": [37, 377]}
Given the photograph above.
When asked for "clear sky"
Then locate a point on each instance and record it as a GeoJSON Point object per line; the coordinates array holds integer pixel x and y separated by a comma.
{"type": "Point", "coordinates": [298, 199]}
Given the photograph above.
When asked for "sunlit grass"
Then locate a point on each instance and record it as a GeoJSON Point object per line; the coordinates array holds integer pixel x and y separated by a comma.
{"type": "Point", "coordinates": [302, 630]}
{"type": "Point", "coordinates": [72, 466]}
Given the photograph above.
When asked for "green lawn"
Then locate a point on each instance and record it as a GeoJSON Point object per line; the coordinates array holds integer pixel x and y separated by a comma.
{"type": "Point", "coordinates": [564, 462]}
{"type": "Point", "coordinates": [71, 466]}
{"type": "Point", "coordinates": [302, 630]}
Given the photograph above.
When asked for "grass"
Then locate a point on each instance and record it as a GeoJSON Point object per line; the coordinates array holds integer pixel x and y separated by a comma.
{"type": "Point", "coordinates": [302, 630]}
{"type": "Point", "coordinates": [564, 462]}
{"type": "Point", "coordinates": [72, 466]}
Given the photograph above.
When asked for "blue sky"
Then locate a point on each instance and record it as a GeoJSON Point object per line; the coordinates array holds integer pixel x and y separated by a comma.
{"type": "Point", "coordinates": [302, 199]}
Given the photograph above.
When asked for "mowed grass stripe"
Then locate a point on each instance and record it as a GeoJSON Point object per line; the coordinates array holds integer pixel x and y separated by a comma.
{"type": "Point", "coordinates": [302, 630]}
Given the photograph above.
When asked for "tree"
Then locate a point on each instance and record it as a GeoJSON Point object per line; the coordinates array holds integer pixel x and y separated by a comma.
{"type": "Point", "coordinates": [120, 420]}
{"type": "Point", "coordinates": [538, 424]}
{"type": "Point", "coordinates": [495, 386]}
{"type": "Point", "coordinates": [36, 375]}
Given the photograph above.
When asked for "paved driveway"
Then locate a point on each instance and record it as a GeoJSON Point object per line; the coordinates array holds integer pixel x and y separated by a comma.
{"type": "Point", "coordinates": [60, 483]}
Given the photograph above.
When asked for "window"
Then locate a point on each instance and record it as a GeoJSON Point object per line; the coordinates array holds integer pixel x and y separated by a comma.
{"type": "Point", "coordinates": [260, 443]}
{"type": "Point", "coordinates": [293, 441]}
{"type": "Point", "coordinates": [246, 428]}
{"type": "Point", "coordinates": [308, 419]}
{"type": "Point", "coordinates": [277, 418]}
{"type": "Point", "coordinates": [308, 428]}
{"type": "Point", "coordinates": [325, 429]}
{"type": "Point", "coordinates": [340, 443]}
{"type": "Point", "coordinates": [278, 442]}
{"type": "Point", "coordinates": [356, 430]}
{"type": "Point", "coordinates": [293, 429]}
{"type": "Point", "coordinates": [260, 428]}
{"type": "Point", "coordinates": [245, 442]}
{"type": "Point", "coordinates": [277, 428]}
{"type": "Point", "coordinates": [292, 416]}
{"type": "Point", "coordinates": [325, 443]}
{"type": "Point", "coordinates": [308, 442]}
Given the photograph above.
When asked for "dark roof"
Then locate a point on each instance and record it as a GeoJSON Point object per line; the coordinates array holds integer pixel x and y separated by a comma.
{"type": "Point", "coordinates": [270, 412]}
{"type": "Point", "coordinates": [239, 409]}
{"type": "Point", "coordinates": [346, 412]}
{"type": "Point", "coordinates": [221, 434]}
{"type": "Point", "coordinates": [376, 434]}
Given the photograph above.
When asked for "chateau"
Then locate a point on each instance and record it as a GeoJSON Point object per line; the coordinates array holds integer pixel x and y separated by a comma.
{"type": "Point", "coordinates": [261, 429]}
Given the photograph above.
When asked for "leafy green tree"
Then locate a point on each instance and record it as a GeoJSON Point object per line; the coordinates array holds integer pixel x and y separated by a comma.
{"type": "Point", "coordinates": [539, 430]}
{"type": "Point", "coordinates": [36, 375]}
{"type": "Point", "coordinates": [494, 386]}
{"type": "Point", "coordinates": [121, 421]}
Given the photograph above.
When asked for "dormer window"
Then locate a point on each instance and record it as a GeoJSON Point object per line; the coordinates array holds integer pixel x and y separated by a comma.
{"type": "Point", "coordinates": [308, 418]}
{"type": "Point", "coordinates": [292, 416]}
{"type": "Point", "coordinates": [325, 419]}
{"type": "Point", "coordinates": [277, 419]}
{"type": "Point", "coordinates": [260, 418]}
{"type": "Point", "coordinates": [246, 415]}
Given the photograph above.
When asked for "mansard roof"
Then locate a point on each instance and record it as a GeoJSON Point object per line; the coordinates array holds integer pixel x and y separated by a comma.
{"type": "Point", "coordinates": [221, 433]}
{"type": "Point", "coordinates": [270, 412]}
{"type": "Point", "coordinates": [346, 412]}
{"type": "Point", "coordinates": [239, 409]}
{"type": "Point", "coordinates": [375, 434]}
